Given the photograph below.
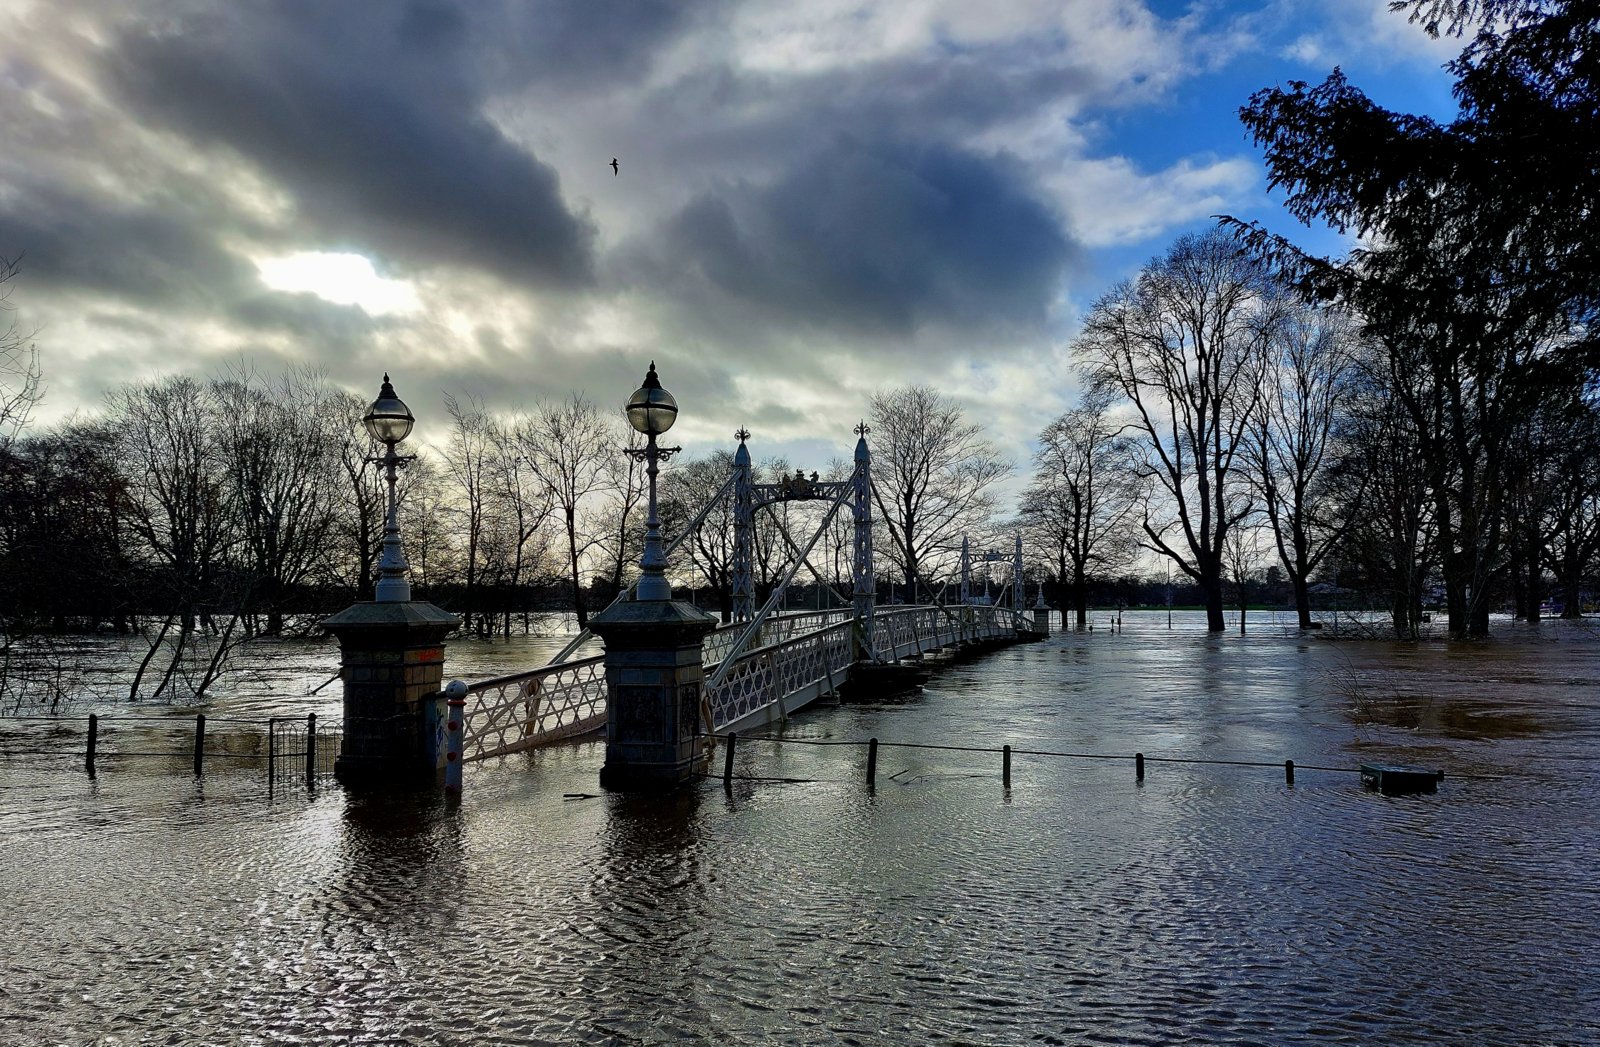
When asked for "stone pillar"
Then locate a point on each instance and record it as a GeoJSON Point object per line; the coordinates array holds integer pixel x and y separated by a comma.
{"type": "Point", "coordinates": [1041, 620]}
{"type": "Point", "coordinates": [655, 684]}
{"type": "Point", "coordinates": [391, 657]}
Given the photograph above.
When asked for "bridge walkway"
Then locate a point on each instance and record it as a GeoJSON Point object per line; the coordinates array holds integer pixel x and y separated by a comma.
{"type": "Point", "coordinates": [799, 658]}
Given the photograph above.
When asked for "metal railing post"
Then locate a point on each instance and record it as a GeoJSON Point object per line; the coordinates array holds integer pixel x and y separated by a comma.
{"type": "Point", "coordinates": [311, 750]}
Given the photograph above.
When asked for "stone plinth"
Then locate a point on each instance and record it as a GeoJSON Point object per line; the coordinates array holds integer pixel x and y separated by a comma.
{"type": "Point", "coordinates": [655, 684]}
{"type": "Point", "coordinates": [392, 663]}
{"type": "Point", "coordinates": [1041, 620]}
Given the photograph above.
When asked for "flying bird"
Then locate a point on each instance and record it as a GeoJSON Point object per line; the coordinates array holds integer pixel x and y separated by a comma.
{"type": "Point", "coordinates": [615, 170]}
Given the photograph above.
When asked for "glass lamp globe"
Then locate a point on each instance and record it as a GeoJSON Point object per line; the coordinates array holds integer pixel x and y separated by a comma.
{"type": "Point", "coordinates": [388, 420]}
{"type": "Point", "coordinates": [651, 409]}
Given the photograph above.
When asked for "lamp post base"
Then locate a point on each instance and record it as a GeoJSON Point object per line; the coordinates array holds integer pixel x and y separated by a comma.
{"type": "Point", "coordinates": [655, 683]}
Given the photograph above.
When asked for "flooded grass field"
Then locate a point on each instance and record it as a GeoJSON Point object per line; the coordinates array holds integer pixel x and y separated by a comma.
{"type": "Point", "coordinates": [1209, 903]}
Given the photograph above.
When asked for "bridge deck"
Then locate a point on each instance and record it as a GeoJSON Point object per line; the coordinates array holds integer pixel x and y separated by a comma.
{"type": "Point", "coordinates": [800, 658]}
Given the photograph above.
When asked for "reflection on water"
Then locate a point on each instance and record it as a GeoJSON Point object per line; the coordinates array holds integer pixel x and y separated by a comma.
{"type": "Point", "coordinates": [1209, 904]}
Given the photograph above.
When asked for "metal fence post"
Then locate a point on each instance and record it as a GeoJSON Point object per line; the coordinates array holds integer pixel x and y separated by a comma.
{"type": "Point", "coordinates": [272, 754]}
{"type": "Point", "coordinates": [311, 750]}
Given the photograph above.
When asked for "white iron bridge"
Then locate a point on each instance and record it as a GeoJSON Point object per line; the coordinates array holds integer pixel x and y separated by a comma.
{"type": "Point", "coordinates": [764, 665]}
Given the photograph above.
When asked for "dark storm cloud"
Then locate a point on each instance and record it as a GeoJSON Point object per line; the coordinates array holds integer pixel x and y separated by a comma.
{"type": "Point", "coordinates": [372, 117]}
{"type": "Point", "coordinates": [870, 238]}
{"type": "Point", "coordinates": [160, 256]}
{"type": "Point", "coordinates": [306, 316]}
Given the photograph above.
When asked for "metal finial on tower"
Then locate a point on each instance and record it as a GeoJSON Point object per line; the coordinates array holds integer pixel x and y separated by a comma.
{"type": "Point", "coordinates": [863, 429]}
{"type": "Point", "coordinates": [742, 435]}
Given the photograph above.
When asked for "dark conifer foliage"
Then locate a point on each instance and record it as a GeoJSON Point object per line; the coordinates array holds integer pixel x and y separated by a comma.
{"type": "Point", "coordinates": [1479, 271]}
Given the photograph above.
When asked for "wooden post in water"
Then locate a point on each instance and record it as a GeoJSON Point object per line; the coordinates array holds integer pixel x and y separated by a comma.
{"type": "Point", "coordinates": [1288, 772]}
{"type": "Point", "coordinates": [94, 730]}
{"type": "Point", "coordinates": [311, 750]}
{"type": "Point", "coordinates": [1005, 766]}
{"type": "Point", "coordinates": [199, 742]}
{"type": "Point", "coordinates": [1138, 766]}
{"type": "Point", "coordinates": [272, 754]}
{"type": "Point", "coordinates": [872, 763]}
{"type": "Point", "coordinates": [727, 762]}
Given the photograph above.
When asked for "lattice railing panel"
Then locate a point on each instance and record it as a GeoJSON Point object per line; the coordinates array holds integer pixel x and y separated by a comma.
{"type": "Point", "coordinates": [512, 713]}
{"type": "Point", "coordinates": [774, 630]}
{"type": "Point", "coordinates": [766, 674]}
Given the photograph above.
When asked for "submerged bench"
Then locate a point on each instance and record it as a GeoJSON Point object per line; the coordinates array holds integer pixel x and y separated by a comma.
{"type": "Point", "coordinates": [1400, 781]}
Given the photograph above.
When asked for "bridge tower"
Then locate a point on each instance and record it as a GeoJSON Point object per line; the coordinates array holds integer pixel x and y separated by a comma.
{"type": "Point", "coordinates": [966, 571]}
{"type": "Point", "coordinates": [864, 596]}
{"type": "Point", "coordinates": [744, 589]}
{"type": "Point", "coordinates": [1017, 595]}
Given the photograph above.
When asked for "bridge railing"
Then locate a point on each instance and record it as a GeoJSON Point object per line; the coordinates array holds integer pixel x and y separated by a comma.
{"type": "Point", "coordinates": [813, 650]}
{"type": "Point", "coordinates": [818, 659]}
{"type": "Point", "coordinates": [773, 630]}
{"type": "Point", "coordinates": [512, 713]}
{"type": "Point", "coordinates": [899, 630]}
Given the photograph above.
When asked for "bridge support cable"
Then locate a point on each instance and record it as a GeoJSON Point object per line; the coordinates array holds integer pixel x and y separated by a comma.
{"type": "Point", "coordinates": [795, 548]}
{"type": "Point", "coordinates": [888, 519]}
{"type": "Point", "coordinates": [627, 594]}
{"type": "Point", "coordinates": [739, 645]}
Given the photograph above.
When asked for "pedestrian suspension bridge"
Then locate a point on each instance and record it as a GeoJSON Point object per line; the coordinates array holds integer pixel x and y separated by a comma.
{"type": "Point", "coordinates": [764, 665]}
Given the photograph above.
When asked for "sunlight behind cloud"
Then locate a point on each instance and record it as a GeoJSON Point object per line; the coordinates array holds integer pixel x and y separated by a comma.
{"type": "Point", "coordinates": [341, 278]}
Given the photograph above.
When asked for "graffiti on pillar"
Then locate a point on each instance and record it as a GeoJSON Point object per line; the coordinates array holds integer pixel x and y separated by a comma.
{"type": "Point", "coordinates": [688, 711]}
{"type": "Point", "coordinates": [641, 716]}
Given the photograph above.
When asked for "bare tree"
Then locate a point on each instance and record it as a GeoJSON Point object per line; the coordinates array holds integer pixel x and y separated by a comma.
{"type": "Point", "coordinates": [627, 488]}
{"type": "Point", "coordinates": [283, 467]}
{"type": "Point", "coordinates": [685, 489]}
{"type": "Point", "coordinates": [1243, 554]}
{"type": "Point", "coordinates": [934, 474]}
{"type": "Point", "coordinates": [524, 503]}
{"type": "Point", "coordinates": [468, 464]}
{"type": "Point", "coordinates": [1084, 496]}
{"type": "Point", "coordinates": [570, 445]}
{"type": "Point", "coordinates": [1392, 535]}
{"type": "Point", "coordinates": [20, 377]}
{"type": "Point", "coordinates": [1574, 512]}
{"type": "Point", "coordinates": [1304, 386]}
{"type": "Point", "coordinates": [1182, 343]}
{"type": "Point", "coordinates": [180, 508]}
{"type": "Point", "coordinates": [363, 501]}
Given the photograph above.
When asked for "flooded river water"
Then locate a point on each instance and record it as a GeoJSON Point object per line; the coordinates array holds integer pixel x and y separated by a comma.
{"type": "Point", "coordinates": [1210, 903]}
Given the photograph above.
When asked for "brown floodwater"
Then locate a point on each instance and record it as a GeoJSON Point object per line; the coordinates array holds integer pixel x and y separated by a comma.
{"type": "Point", "coordinates": [1209, 903]}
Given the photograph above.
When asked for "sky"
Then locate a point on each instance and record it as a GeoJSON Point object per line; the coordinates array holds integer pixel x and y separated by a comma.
{"type": "Point", "coordinates": [814, 201]}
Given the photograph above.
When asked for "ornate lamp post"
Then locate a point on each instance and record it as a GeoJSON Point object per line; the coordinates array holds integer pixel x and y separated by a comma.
{"type": "Point", "coordinates": [389, 422]}
{"type": "Point", "coordinates": [654, 677]}
{"type": "Point", "coordinates": [652, 410]}
{"type": "Point", "coordinates": [391, 651]}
